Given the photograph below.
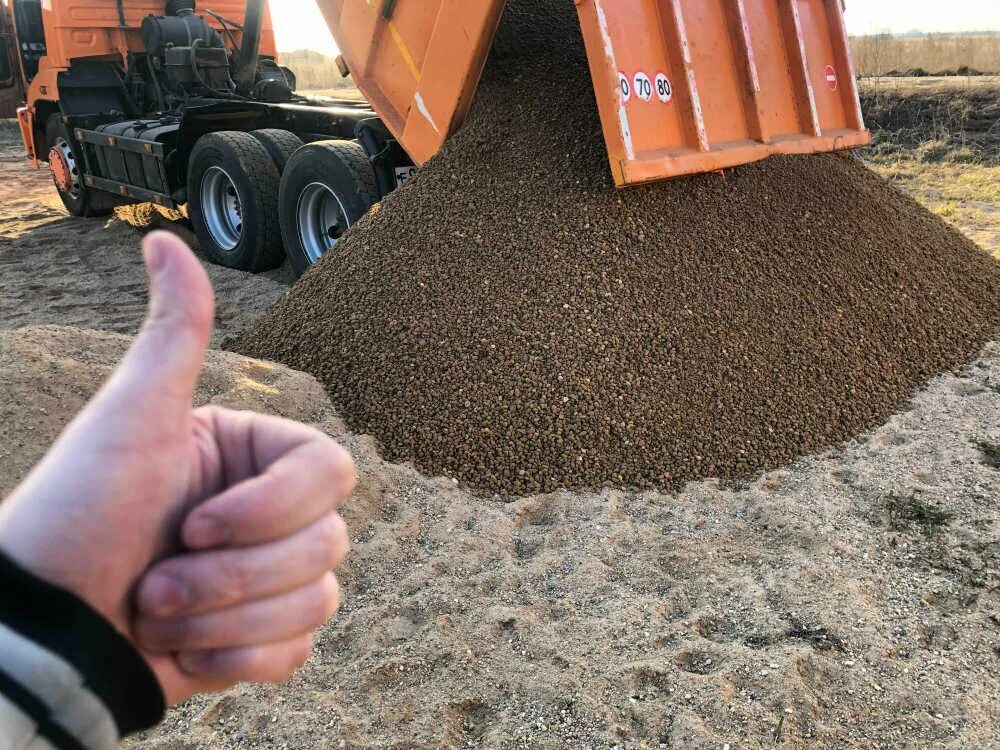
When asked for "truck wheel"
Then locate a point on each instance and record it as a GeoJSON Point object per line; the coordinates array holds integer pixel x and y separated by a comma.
{"type": "Point", "coordinates": [327, 187]}
{"type": "Point", "coordinates": [233, 201]}
{"type": "Point", "coordinates": [66, 165]}
{"type": "Point", "coordinates": [280, 144]}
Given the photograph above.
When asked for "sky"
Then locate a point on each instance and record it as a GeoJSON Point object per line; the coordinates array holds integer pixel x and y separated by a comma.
{"type": "Point", "coordinates": [299, 24]}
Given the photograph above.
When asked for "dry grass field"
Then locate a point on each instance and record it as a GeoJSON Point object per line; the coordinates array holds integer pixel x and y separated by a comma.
{"type": "Point", "coordinates": [882, 54]}
{"type": "Point", "coordinates": [939, 140]}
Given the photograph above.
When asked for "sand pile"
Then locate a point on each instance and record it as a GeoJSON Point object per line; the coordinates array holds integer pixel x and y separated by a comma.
{"type": "Point", "coordinates": [49, 373]}
{"type": "Point", "coordinates": [843, 603]}
{"type": "Point", "coordinates": [511, 320]}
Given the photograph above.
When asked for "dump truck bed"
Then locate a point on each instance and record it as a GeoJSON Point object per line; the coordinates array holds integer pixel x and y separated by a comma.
{"type": "Point", "coordinates": [417, 63]}
{"type": "Point", "coordinates": [683, 86]}
{"type": "Point", "coordinates": [688, 86]}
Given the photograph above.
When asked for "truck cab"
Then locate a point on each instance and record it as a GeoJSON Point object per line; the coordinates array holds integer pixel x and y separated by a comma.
{"type": "Point", "coordinates": [162, 101]}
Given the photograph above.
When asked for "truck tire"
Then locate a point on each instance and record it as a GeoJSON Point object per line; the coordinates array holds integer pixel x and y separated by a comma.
{"type": "Point", "coordinates": [66, 165]}
{"type": "Point", "coordinates": [327, 187]}
{"type": "Point", "coordinates": [233, 201]}
{"type": "Point", "coordinates": [280, 144]}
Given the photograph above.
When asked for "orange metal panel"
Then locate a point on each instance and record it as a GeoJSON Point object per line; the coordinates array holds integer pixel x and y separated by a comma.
{"type": "Point", "coordinates": [77, 29]}
{"type": "Point", "coordinates": [25, 121]}
{"type": "Point", "coordinates": [688, 86]}
{"type": "Point", "coordinates": [417, 63]}
{"type": "Point", "coordinates": [683, 86]}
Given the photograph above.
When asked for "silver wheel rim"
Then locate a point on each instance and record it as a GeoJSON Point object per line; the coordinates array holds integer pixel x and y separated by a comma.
{"type": "Point", "coordinates": [77, 186]}
{"type": "Point", "coordinates": [221, 207]}
{"type": "Point", "coordinates": [322, 220]}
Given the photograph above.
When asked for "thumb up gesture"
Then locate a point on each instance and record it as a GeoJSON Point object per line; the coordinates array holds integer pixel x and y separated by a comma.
{"type": "Point", "coordinates": [207, 537]}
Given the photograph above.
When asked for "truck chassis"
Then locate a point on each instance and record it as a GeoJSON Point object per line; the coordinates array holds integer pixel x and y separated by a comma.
{"type": "Point", "coordinates": [185, 107]}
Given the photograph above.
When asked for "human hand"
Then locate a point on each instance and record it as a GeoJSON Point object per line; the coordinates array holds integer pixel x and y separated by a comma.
{"type": "Point", "coordinates": [247, 503]}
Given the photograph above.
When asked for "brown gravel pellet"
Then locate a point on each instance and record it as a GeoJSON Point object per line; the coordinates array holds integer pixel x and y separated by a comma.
{"type": "Point", "coordinates": [511, 320]}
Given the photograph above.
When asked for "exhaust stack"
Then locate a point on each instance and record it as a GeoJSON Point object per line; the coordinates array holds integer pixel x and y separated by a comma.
{"type": "Point", "coordinates": [246, 67]}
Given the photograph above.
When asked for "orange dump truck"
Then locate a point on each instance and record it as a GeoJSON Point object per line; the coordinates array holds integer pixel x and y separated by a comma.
{"type": "Point", "coordinates": [146, 100]}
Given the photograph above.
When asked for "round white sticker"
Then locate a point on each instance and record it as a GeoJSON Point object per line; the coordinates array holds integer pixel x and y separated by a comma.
{"type": "Point", "coordinates": [664, 89]}
{"type": "Point", "coordinates": [625, 86]}
{"type": "Point", "coordinates": [643, 86]}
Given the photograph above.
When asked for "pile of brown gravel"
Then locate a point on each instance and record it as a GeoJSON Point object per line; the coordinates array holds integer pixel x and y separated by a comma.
{"type": "Point", "coordinates": [510, 319]}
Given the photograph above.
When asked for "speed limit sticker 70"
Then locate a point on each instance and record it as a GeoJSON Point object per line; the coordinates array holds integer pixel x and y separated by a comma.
{"type": "Point", "coordinates": [643, 86]}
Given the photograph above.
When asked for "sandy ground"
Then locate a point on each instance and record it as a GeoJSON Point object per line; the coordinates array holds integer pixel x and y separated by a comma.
{"type": "Point", "coordinates": [849, 601]}
{"type": "Point", "coordinates": [65, 271]}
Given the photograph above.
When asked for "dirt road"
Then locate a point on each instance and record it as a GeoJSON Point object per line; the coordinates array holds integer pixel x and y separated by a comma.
{"type": "Point", "coordinates": [849, 601]}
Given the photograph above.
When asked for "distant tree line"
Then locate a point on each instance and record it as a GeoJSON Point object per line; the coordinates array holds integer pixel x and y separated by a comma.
{"type": "Point", "coordinates": [927, 54]}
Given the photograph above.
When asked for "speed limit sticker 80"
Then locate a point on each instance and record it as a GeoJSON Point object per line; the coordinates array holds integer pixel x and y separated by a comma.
{"type": "Point", "coordinates": [643, 88]}
{"type": "Point", "coordinates": [664, 89]}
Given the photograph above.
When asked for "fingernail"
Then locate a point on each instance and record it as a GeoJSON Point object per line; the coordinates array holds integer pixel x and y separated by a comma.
{"type": "Point", "coordinates": [205, 532]}
{"type": "Point", "coordinates": [165, 596]}
{"type": "Point", "coordinates": [155, 254]}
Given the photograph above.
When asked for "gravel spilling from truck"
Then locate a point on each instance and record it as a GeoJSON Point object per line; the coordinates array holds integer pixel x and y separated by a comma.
{"type": "Point", "coordinates": [511, 320]}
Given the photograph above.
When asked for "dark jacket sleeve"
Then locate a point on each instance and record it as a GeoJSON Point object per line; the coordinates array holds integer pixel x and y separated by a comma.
{"type": "Point", "coordinates": [68, 679]}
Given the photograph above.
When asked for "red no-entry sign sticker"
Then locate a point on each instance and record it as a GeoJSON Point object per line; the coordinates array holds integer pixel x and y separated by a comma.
{"type": "Point", "coordinates": [831, 78]}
